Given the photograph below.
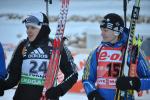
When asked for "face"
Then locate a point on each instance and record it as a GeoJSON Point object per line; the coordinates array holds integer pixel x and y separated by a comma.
{"type": "Point", "coordinates": [32, 32]}
{"type": "Point", "coordinates": [108, 35]}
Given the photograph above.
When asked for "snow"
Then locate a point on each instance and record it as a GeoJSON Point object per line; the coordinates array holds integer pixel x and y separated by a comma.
{"type": "Point", "coordinates": [9, 94]}
{"type": "Point", "coordinates": [77, 7]}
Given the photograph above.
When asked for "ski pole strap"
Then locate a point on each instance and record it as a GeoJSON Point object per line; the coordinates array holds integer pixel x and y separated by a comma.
{"type": "Point", "coordinates": [135, 12]}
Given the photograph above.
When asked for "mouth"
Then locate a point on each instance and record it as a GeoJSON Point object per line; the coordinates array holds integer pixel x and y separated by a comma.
{"type": "Point", "coordinates": [30, 35]}
{"type": "Point", "coordinates": [104, 36]}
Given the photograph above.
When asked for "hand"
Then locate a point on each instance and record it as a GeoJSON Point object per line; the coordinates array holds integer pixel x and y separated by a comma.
{"type": "Point", "coordinates": [54, 93]}
{"type": "Point", "coordinates": [95, 96]}
{"type": "Point", "coordinates": [127, 83]}
{"type": "Point", "coordinates": [2, 87]}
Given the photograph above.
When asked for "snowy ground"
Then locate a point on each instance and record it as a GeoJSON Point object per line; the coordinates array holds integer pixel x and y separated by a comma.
{"type": "Point", "coordinates": [9, 94]}
{"type": "Point", "coordinates": [77, 7]}
{"type": "Point", "coordinates": [69, 96]}
{"type": "Point", "coordinates": [9, 29]}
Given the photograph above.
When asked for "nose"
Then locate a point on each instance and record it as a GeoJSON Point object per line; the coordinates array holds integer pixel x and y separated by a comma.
{"type": "Point", "coordinates": [103, 32]}
{"type": "Point", "coordinates": [28, 30]}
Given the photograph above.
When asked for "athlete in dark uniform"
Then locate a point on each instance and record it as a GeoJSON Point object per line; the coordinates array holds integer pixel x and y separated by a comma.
{"type": "Point", "coordinates": [30, 60]}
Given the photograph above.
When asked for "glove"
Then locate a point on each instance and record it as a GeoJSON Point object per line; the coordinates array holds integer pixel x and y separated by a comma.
{"type": "Point", "coordinates": [54, 93]}
{"type": "Point", "coordinates": [1, 87]}
{"type": "Point", "coordinates": [95, 96]}
{"type": "Point", "coordinates": [127, 83]}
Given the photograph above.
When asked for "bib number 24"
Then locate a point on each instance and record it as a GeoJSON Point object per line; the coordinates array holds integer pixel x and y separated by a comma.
{"type": "Point", "coordinates": [38, 67]}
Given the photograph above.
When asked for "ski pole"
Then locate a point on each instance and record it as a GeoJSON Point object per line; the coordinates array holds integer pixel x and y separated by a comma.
{"type": "Point", "coordinates": [55, 56]}
{"type": "Point", "coordinates": [134, 18]}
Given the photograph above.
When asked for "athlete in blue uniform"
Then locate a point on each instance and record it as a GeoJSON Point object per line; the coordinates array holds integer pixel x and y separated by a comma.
{"type": "Point", "coordinates": [2, 66]}
{"type": "Point", "coordinates": [2, 63]}
{"type": "Point", "coordinates": [104, 63]}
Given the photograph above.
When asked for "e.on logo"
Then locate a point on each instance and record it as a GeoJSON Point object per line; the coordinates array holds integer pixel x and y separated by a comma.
{"type": "Point", "coordinates": [110, 55]}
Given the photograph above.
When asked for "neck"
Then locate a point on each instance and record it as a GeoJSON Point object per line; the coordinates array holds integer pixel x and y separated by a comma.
{"type": "Point", "coordinates": [114, 40]}
{"type": "Point", "coordinates": [39, 40]}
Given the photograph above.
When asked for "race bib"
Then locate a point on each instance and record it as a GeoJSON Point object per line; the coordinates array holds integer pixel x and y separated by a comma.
{"type": "Point", "coordinates": [33, 71]}
{"type": "Point", "coordinates": [109, 65]}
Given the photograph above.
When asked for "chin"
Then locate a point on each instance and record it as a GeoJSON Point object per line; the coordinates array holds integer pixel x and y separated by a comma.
{"type": "Point", "coordinates": [105, 40]}
{"type": "Point", "coordinates": [31, 40]}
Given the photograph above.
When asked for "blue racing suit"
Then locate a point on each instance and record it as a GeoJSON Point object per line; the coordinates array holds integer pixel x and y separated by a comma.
{"type": "Point", "coordinates": [2, 63]}
{"type": "Point", "coordinates": [102, 69]}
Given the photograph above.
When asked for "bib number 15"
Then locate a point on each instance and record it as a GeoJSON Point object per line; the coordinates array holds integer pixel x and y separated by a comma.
{"type": "Point", "coordinates": [113, 70]}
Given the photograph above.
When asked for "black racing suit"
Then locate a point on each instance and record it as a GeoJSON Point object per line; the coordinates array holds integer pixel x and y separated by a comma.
{"type": "Point", "coordinates": [28, 66]}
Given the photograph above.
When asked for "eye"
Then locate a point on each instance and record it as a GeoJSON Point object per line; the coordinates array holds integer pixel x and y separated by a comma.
{"type": "Point", "coordinates": [27, 27]}
{"type": "Point", "coordinates": [32, 27]}
{"type": "Point", "coordinates": [105, 30]}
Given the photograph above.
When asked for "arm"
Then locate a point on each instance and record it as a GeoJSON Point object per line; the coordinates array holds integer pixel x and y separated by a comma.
{"type": "Point", "coordinates": [89, 74]}
{"type": "Point", "coordinates": [2, 64]}
{"type": "Point", "coordinates": [2, 70]}
{"type": "Point", "coordinates": [14, 68]}
{"type": "Point", "coordinates": [137, 83]}
{"type": "Point", "coordinates": [69, 69]}
{"type": "Point", "coordinates": [143, 72]}
{"type": "Point", "coordinates": [143, 69]}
